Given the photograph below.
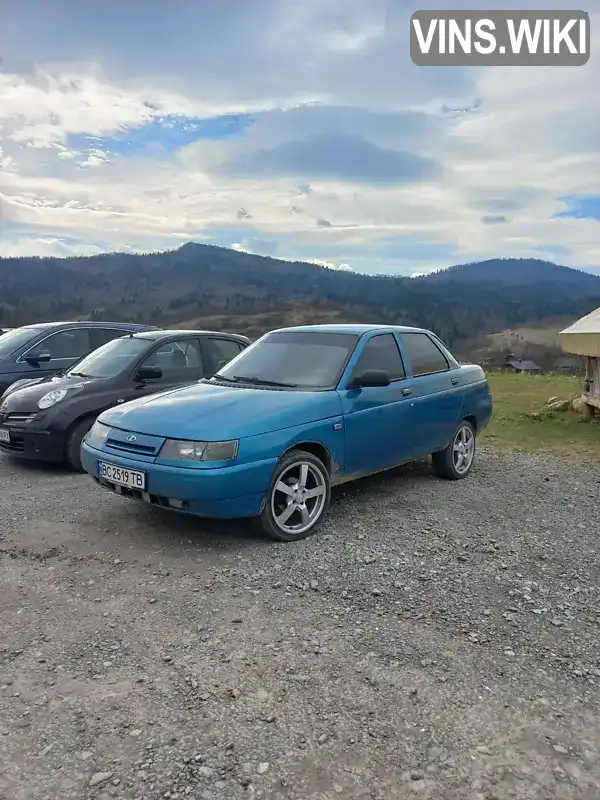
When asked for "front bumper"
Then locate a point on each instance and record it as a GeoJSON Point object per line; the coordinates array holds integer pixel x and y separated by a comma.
{"type": "Point", "coordinates": [223, 492]}
{"type": "Point", "coordinates": [35, 445]}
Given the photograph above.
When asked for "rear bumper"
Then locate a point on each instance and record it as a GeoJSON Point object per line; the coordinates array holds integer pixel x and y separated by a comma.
{"type": "Point", "coordinates": [224, 492]}
{"type": "Point", "coordinates": [483, 423]}
{"type": "Point", "coordinates": [35, 445]}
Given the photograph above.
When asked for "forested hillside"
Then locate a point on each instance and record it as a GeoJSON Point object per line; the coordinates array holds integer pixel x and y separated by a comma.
{"type": "Point", "coordinates": [198, 281]}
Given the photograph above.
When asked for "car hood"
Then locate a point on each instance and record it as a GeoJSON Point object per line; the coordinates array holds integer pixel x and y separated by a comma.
{"type": "Point", "coordinates": [218, 413]}
{"type": "Point", "coordinates": [24, 395]}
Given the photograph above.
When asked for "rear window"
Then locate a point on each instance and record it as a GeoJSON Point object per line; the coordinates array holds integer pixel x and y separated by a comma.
{"type": "Point", "coordinates": [100, 336]}
{"type": "Point", "coordinates": [424, 355]}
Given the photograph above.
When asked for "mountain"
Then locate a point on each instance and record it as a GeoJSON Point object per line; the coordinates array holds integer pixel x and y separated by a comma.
{"type": "Point", "coordinates": [200, 281]}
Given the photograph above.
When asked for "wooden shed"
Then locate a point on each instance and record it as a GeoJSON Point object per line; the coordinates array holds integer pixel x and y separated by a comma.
{"type": "Point", "coordinates": [582, 338]}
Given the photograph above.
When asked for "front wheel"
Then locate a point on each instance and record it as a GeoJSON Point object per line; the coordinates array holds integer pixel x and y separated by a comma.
{"type": "Point", "coordinates": [74, 441]}
{"type": "Point", "coordinates": [298, 497]}
{"type": "Point", "coordinates": [456, 460]}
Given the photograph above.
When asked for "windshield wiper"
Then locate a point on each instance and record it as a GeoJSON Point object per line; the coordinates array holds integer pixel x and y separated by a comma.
{"type": "Point", "coordinates": [79, 375]}
{"type": "Point", "coordinates": [262, 382]}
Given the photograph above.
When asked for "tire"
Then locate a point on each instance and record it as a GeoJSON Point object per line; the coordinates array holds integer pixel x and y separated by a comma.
{"type": "Point", "coordinates": [299, 471]}
{"type": "Point", "coordinates": [74, 440]}
{"type": "Point", "coordinates": [447, 463]}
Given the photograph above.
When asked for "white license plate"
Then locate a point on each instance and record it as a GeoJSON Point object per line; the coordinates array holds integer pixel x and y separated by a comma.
{"type": "Point", "coordinates": [122, 476]}
{"type": "Point", "coordinates": [4, 435]}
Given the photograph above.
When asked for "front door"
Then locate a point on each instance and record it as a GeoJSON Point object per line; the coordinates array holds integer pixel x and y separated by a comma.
{"type": "Point", "coordinates": [65, 348]}
{"type": "Point", "coordinates": [377, 420]}
{"type": "Point", "coordinates": [181, 362]}
{"type": "Point", "coordinates": [218, 352]}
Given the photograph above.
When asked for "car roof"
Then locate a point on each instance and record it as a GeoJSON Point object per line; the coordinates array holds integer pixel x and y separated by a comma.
{"type": "Point", "coordinates": [353, 328]}
{"type": "Point", "coordinates": [165, 333]}
{"type": "Point", "coordinates": [126, 326]}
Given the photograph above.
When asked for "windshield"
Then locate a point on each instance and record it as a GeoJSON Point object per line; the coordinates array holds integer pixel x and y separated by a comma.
{"type": "Point", "coordinates": [110, 359]}
{"type": "Point", "coordinates": [12, 340]}
{"type": "Point", "coordinates": [308, 360]}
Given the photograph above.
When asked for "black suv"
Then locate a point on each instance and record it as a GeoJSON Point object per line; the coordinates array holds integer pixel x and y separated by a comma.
{"type": "Point", "coordinates": [36, 351]}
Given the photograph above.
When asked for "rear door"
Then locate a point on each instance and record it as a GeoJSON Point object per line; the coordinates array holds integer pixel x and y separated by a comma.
{"type": "Point", "coordinates": [65, 348]}
{"type": "Point", "coordinates": [436, 398]}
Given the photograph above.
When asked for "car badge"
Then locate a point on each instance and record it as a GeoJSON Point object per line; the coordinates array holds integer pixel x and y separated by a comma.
{"type": "Point", "coordinates": [131, 438]}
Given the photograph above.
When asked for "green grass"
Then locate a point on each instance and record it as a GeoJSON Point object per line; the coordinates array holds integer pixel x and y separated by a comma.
{"type": "Point", "coordinates": [516, 396]}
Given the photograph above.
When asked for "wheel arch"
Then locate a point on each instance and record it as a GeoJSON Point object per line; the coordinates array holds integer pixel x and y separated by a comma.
{"type": "Point", "coordinates": [80, 418]}
{"type": "Point", "coordinates": [472, 419]}
{"type": "Point", "coordinates": [77, 421]}
{"type": "Point", "coordinates": [317, 449]}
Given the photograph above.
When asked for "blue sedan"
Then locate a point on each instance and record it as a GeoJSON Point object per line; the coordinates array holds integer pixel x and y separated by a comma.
{"type": "Point", "coordinates": [300, 410]}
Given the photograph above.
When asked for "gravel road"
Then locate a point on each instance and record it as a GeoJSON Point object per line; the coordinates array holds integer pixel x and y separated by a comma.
{"type": "Point", "coordinates": [435, 640]}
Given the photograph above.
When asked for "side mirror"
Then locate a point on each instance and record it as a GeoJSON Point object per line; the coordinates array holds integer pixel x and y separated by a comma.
{"type": "Point", "coordinates": [38, 358]}
{"type": "Point", "coordinates": [370, 377]}
{"type": "Point", "coordinates": [147, 374]}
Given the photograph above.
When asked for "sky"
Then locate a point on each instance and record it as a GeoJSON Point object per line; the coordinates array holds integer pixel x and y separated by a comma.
{"type": "Point", "coordinates": [297, 129]}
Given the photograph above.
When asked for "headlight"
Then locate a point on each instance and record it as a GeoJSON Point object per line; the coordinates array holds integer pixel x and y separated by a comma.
{"type": "Point", "coordinates": [55, 396]}
{"type": "Point", "coordinates": [199, 451]}
{"type": "Point", "coordinates": [98, 434]}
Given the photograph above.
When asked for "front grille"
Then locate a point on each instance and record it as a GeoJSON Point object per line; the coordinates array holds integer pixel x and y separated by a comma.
{"type": "Point", "coordinates": [15, 423]}
{"type": "Point", "coordinates": [131, 447]}
{"type": "Point", "coordinates": [18, 419]}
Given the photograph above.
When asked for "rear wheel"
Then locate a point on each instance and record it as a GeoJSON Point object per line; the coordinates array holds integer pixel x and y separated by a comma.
{"type": "Point", "coordinates": [456, 460]}
{"type": "Point", "coordinates": [298, 497]}
{"type": "Point", "coordinates": [74, 440]}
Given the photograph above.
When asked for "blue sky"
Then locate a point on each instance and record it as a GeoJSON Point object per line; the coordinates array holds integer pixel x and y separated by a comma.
{"type": "Point", "coordinates": [298, 130]}
{"type": "Point", "coordinates": [582, 206]}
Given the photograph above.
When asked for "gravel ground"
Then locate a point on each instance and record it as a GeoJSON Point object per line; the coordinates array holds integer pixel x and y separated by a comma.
{"type": "Point", "coordinates": [435, 640]}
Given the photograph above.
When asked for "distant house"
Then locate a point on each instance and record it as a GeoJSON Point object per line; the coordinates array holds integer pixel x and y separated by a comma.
{"type": "Point", "coordinates": [520, 365]}
{"type": "Point", "coordinates": [569, 365]}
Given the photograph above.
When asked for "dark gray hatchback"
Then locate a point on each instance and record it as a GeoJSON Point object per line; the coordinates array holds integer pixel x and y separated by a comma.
{"type": "Point", "coordinates": [45, 419]}
{"type": "Point", "coordinates": [37, 351]}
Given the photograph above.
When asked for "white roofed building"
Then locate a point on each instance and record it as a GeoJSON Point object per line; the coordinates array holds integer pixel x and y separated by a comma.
{"type": "Point", "coordinates": [582, 338]}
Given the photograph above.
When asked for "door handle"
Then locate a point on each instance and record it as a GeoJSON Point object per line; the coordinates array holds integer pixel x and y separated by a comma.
{"type": "Point", "coordinates": [406, 391]}
{"type": "Point", "coordinates": [454, 381]}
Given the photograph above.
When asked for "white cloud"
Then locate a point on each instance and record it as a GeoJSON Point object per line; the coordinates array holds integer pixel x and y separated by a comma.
{"type": "Point", "coordinates": [45, 246]}
{"type": "Point", "coordinates": [270, 247]}
{"type": "Point", "coordinates": [329, 264]}
{"type": "Point", "coordinates": [532, 136]}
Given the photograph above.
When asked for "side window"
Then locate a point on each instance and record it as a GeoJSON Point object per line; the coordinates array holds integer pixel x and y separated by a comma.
{"type": "Point", "coordinates": [100, 336]}
{"type": "Point", "coordinates": [73, 343]}
{"type": "Point", "coordinates": [424, 355]}
{"type": "Point", "coordinates": [381, 352]}
{"type": "Point", "coordinates": [221, 351]}
{"type": "Point", "coordinates": [178, 359]}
